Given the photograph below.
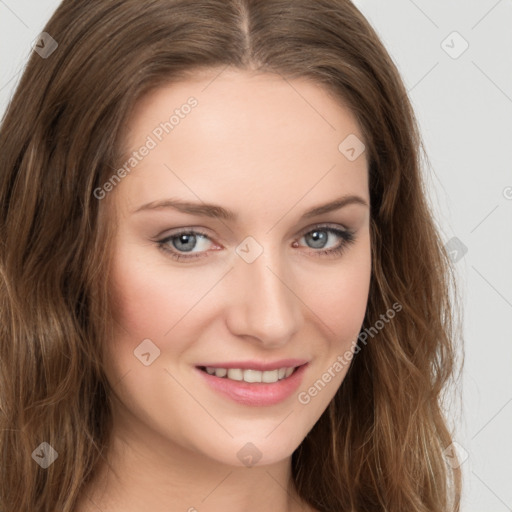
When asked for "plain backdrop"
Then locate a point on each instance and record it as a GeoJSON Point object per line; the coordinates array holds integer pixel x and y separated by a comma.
{"type": "Point", "coordinates": [455, 58]}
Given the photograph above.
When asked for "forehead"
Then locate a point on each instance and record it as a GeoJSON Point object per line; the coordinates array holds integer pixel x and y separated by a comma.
{"type": "Point", "coordinates": [248, 137]}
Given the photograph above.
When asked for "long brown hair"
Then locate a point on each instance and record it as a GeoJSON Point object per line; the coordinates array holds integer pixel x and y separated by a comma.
{"type": "Point", "coordinates": [379, 445]}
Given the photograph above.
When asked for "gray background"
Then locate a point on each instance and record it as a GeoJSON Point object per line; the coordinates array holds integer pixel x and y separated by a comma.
{"type": "Point", "coordinates": [464, 105]}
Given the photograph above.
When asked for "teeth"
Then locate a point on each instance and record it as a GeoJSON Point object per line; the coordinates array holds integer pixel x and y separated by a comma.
{"type": "Point", "coordinates": [270, 376]}
{"type": "Point", "coordinates": [251, 375]}
{"type": "Point", "coordinates": [221, 372]}
{"type": "Point", "coordinates": [235, 374]}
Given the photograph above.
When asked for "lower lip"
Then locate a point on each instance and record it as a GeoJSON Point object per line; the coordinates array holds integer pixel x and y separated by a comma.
{"type": "Point", "coordinates": [256, 393]}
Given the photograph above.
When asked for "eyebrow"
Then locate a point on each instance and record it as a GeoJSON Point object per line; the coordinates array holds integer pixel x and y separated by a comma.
{"type": "Point", "coordinates": [218, 212]}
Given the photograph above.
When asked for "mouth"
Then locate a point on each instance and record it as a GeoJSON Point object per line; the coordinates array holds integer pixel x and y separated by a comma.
{"type": "Point", "coordinates": [251, 376]}
{"type": "Point", "coordinates": [253, 387]}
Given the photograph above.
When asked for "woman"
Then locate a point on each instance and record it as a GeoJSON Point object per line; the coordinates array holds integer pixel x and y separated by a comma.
{"type": "Point", "coordinates": [222, 286]}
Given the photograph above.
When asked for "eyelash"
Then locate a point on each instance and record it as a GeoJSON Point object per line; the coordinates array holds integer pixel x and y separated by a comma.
{"type": "Point", "coordinates": [346, 235]}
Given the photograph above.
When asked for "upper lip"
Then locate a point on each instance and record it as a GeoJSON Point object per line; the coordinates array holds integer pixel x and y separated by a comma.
{"type": "Point", "coordinates": [257, 365]}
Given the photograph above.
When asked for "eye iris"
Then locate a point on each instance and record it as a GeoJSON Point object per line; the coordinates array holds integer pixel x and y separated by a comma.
{"type": "Point", "coordinates": [319, 238]}
{"type": "Point", "coordinates": [184, 238]}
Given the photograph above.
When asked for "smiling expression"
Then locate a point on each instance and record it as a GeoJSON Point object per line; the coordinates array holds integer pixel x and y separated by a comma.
{"type": "Point", "coordinates": [243, 245]}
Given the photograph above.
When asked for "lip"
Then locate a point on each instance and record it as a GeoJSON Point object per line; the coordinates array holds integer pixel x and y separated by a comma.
{"type": "Point", "coordinates": [256, 365]}
{"type": "Point", "coordinates": [256, 393]}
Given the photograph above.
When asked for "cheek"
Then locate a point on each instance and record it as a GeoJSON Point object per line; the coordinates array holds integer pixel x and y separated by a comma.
{"type": "Point", "coordinates": [346, 305]}
{"type": "Point", "coordinates": [341, 295]}
{"type": "Point", "coordinates": [139, 299]}
{"type": "Point", "coordinates": [149, 297]}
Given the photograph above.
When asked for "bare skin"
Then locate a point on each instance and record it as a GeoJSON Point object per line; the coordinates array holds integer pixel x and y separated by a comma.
{"type": "Point", "coordinates": [269, 152]}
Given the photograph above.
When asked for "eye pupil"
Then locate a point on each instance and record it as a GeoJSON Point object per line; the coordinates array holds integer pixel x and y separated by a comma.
{"type": "Point", "coordinates": [319, 238]}
{"type": "Point", "coordinates": [184, 238]}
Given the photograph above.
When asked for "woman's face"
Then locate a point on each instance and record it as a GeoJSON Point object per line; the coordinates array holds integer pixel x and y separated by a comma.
{"type": "Point", "coordinates": [263, 281]}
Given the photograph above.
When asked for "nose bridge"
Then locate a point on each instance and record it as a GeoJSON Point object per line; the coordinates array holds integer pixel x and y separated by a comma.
{"type": "Point", "coordinates": [264, 306]}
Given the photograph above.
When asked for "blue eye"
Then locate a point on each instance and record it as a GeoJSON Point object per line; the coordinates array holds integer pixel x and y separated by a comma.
{"type": "Point", "coordinates": [320, 237]}
{"type": "Point", "coordinates": [178, 244]}
{"type": "Point", "coordinates": [186, 241]}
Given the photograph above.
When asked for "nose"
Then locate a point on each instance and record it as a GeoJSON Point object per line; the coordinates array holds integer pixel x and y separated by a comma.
{"type": "Point", "coordinates": [263, 304]}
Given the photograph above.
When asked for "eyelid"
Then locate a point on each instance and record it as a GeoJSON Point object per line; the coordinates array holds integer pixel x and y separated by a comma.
{"type": "Point", "coordinates": [166, 233]}
{"type": "Point", "coordinates": [331, 225]}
